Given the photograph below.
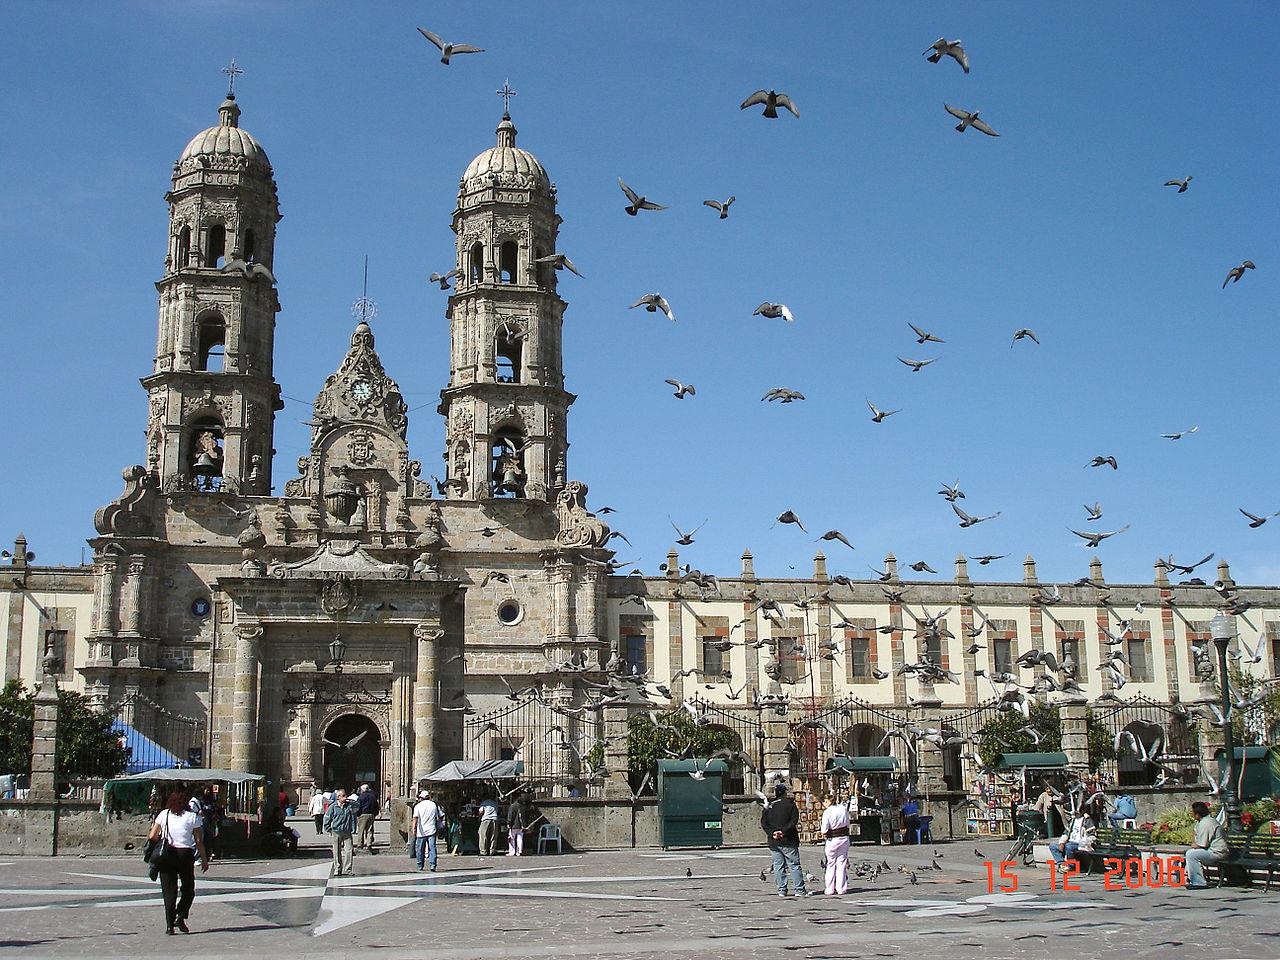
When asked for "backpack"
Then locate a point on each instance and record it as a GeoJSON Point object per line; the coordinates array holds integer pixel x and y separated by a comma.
{"type": "Point", "coordinates": [1126, 806]}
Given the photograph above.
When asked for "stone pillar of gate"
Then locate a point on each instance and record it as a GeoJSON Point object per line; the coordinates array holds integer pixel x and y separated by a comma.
{"type": "Point", "coordinates": [44, 738]}
{"type": "Point", "coordinates": [244, 698]}
{"type": "Point", "coordinates": [426, 756]}
{"type": "Point", "coordinates": [617, 758]}
{"type": "Point", "coordinates": [777, 758]}
{"type": "Point", "coordinates": [929, 764]}
{"type": "Point", "coordinates": [1073, 717]}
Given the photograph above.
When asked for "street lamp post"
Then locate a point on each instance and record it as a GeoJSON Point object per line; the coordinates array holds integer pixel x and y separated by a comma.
{"type": "Point", "coordinates": [1222, 628]}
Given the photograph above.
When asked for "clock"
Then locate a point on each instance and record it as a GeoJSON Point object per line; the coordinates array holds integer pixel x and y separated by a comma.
{"type": "Point", "coordinates": [361, 391]}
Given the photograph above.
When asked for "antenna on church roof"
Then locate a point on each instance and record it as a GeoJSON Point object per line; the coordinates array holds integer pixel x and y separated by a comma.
{"type": "Point", "coordinates": [365, 309]}
{"type": "Point", "coordinates": [231, 71]}
{"type": "Point", "coordinates": [506, 93]}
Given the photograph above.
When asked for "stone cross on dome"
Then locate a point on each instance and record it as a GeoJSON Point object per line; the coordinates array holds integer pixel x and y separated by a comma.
{"type": "Point", "coordinates": [231, 71]}
{"type": "Point", "coordinates": [506, 93]}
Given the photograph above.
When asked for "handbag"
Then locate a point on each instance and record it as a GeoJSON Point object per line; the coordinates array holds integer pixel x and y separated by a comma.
{"type": "Point", "coordinates": [159, 852]}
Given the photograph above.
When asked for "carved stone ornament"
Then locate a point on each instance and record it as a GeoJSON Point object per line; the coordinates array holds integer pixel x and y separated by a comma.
{"type": "Point", "coordinates": [129, 513]}
{"type": "Point", "coordinates": [300, 486]}
{"type": "Point", "coordinates": [578, 526]}
{"type": "Point", "coordinates": [207, 403]}
{"type": "Point", "coordinates": [359, 392]}
{"type": "Point", "coordinates": [338, 595]}
{"type": "Point", "coordinates": [360, 448]}
{"type": "Point", "coordinates": [340, 556]}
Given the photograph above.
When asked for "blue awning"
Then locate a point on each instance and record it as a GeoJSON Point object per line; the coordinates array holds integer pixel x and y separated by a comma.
{"type": "Point", "coordinates": [144, 753]}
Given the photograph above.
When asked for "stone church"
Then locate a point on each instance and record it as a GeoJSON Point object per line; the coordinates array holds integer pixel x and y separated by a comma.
{"type": "Point", "coordinates": [371, 624]}
{"type": "Point", "coordinates": [334, 619]}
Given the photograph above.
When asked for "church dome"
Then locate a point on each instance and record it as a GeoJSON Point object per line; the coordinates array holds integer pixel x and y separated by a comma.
{"type": "Point", "coordinates": [226, 141]}
{"type": "Point", "coordinates": [506, 164]}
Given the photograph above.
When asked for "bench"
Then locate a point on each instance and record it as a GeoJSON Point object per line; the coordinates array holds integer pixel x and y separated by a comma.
{"type": "Point", "coordinates": [1116, 842]}
{"type": "Point", "coordinates": [1249, 852]}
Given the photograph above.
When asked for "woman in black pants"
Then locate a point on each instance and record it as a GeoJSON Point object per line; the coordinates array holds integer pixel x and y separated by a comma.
{"type": "Point", "coordinates": [183, 837]}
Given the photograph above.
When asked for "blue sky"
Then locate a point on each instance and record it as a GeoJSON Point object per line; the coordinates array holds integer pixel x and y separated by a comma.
{"type": "Point", "coordinates": [865, 214]}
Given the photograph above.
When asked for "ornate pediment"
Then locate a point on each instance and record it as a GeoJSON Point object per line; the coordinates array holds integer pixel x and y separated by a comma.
{"type": "Point", "coordinates": [360, 392]}
{"type": "Point", "coordinates": [339, 561]}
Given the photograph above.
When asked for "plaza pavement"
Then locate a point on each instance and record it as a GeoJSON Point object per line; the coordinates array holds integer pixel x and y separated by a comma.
{"type": "Point", "coordinates": [632, 904]}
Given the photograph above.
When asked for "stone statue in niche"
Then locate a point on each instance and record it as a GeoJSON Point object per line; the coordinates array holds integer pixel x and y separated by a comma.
{"type": "Point", "coordinates": [251, 541]}
{"type": "Point", "coordinates": [429, 544]}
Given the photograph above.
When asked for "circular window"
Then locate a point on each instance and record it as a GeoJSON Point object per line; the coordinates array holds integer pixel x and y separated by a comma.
{"type": "Point", "coordinates": [200, 607]}
{"type": "Point", "coordinates": [510, 612]}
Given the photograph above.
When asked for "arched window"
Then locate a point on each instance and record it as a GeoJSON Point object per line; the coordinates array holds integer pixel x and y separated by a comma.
{"type": "Point", "coordinates": [183, 252]}
{"type": "Point", "coordinates": [475, 269]}
{"type": "Point", "coordinates": [864, 740]}
{"type": "Point", "coordinates": [211, 332]}
{"type": "Point", "coordinates": [216, 247]}
{"type": "Point", "coordinates": [204, 455]}
{"type": "Point", "coordinates": [507, 463]}
{"type": "Point", "coordinates": [508, 260]}
{"type": "Point", "coordinates": [250, 248]}
{"type": "Point", "coordinates": [507, 355]}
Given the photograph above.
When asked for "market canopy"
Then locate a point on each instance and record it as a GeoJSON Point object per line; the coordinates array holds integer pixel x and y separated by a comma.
{"type": "Point", "coordinates": [456, 770]}
{"type": "Point", "coordinates": [144, 753]}
{"type": "Point", "coordinates": [193, 775]}
{"type": "Point", "coordinates": [1031, 761]}
{"type": "Point", "coordinates": [862, 764]}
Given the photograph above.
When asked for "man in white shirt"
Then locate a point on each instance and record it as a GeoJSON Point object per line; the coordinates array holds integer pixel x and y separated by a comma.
{"type": "Point", "coordinates": [1078, 838]}
{"type": "Point", "coordinates": [316, 808]}
{"type": "Point", "coordinates": [488, 826]}
{"type": "Point", "coordinates": [428, 818]}
{"type": "Point", "coordinates": [835, 830]}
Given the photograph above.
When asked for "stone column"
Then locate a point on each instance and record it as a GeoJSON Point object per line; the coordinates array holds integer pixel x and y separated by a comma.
{"type": "Point", "coordinates": [777, 761]}
{"type": "Point", "coordinates": [929, 755]}
{"type": "Point", "coordinates": [131, 596]}
{"type": "Point", "coordinates": [44, 740]}
{"type": "Point", "coordinates": [104, 615]}
{"type": "Point", "coordinates": [617, 759]}
{"type": "Point", "coordinates": [1073, 715]}
{"type": "Point", "coordinates": [426, 755]}
{"type": "Point", "coordinates": [1212, 739]}
{"type": "Point", "coordinates": [306, 740]}
{"type": "Point", "coordinates": [244, 698]}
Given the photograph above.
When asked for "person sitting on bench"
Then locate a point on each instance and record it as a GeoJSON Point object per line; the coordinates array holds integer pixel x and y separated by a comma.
{"type": "Point", "coordinates": [1078, 838]}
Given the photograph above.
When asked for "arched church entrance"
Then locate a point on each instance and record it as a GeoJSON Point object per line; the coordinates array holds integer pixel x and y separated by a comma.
{"type": "Point", "coordinates": [352, 754]}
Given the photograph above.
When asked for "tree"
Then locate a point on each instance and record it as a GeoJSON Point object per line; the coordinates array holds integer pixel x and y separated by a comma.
{"type": "Point", "coordinates": [676, 736]}
{"type": "Point", "coordinates": [1008, 733]}
{"type": "Point", "coordinates": [87, 744]}
{"type": "Point", "coordinates": [1259, 723]}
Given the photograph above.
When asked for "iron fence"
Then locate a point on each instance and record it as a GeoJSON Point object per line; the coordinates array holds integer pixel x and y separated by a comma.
{"type": "Point", "coordinates": [555, 746]}
{"type": "Point", "coordinates": [1145, 731]}
{"type": "Point", "coordinates": [849, 727]}
{"type": "Point", "coordinates": [16, 733]}
{"type": "Point", "coordinates": [154, 737]}
{"type": "Point", "coordinates": [745, 725]}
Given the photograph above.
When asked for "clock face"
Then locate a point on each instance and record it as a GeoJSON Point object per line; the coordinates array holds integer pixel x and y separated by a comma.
{"type": "Point", "coordinates": [361, 391]}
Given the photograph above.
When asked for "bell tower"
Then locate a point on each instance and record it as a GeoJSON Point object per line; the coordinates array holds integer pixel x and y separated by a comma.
{"type": "Point", "coordinates": [212, 393]}
{"type": "Point", "coordinates": [505, 406]}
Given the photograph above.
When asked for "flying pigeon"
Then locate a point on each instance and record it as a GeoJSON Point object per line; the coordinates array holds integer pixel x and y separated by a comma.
{"type": "Point", "coordinates": [772, 100]}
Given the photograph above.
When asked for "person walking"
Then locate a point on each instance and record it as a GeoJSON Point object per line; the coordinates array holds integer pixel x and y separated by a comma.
{"type": "Point", "coordinates": [428, 818]}
{"type": "Point", "coordinates": [340, 822]}
{"type": "Point", "coordinates": [780, 821]}
{"type": "Point", "coordinates": [517, 815]}
{"type": "Point", "coordinates": [1208, 846]}
{"type": "Point", "coordinates": [182, 836]}
{"type": "Point", "coordinates": [488, 826]}
{"type": "Point", "coordinates": [316, 808]}
{"type": "Point", "coordinates": [835, 830]}
{"type": "Point", "coordinates": [367, 808]}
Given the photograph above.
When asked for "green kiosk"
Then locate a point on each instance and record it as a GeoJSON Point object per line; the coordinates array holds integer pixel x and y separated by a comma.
{"type": "Point", "coordinates": [690, 803]}
{"type": "Point", "coordinates": [1259, 768]}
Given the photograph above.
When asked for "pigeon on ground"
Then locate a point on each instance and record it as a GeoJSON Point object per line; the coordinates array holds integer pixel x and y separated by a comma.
{"type": "Point", "coordinates": [968, 120]}
{"type": "Point", "coordinates": [637, 202]}
{"type": "Point", "coordinates": [772, 100]}
{"type": "Point", "coordinates": [447, 49]}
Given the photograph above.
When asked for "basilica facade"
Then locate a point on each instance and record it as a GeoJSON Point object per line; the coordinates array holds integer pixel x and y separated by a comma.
{"type": "Point", "coordinates": [371, 624]}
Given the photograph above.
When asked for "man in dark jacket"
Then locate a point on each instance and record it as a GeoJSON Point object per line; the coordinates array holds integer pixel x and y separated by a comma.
{"type": "Point", "coordinates": [366, 812]}
{"type": "Point", "coordinates": [780, 820]}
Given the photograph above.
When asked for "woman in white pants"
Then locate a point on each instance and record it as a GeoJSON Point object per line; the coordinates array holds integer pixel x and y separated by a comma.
{"type": "Point", "coordinates": [835, 829]}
